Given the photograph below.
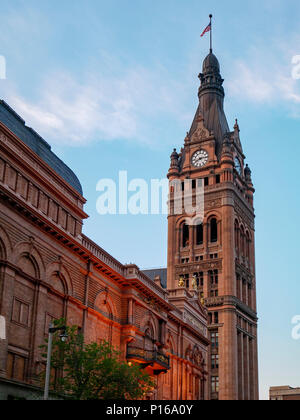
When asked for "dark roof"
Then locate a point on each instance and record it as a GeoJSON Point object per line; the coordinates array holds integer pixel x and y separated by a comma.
{"type": "Point", "coordinates": [162, 272]}
{"type": "Point", "coordinates": [37, 144]}
{"type": "Point", "coordinates": [211, 102]}
{"type": "Point", "coordinates": [210, 61]}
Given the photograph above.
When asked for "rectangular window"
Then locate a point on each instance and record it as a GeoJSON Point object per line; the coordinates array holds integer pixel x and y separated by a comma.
{"type": "Point", "coordinates": [214, 384]}
{"type": "Point", "coordinates": [218, 179]}
{"type": "Point", "coordinates": [15, 367]}
{"type": "Point", "coordinates": [214, 340]}
{"type": "Point", "coordinates": [215, 361]}
{"type": "Point", "coordinates": [206, 182]}
{"type": "Point", "coordinates": [20, 312]}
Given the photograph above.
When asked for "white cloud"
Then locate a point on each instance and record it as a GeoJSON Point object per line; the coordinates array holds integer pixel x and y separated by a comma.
{"type": "Point", "coordinates": [247, 83]}
{"type": "Point", "coordinates": [266, 78]}
{"type": "Point", "coordinates": [137, 104]}
{"type": "Point", "coordinates": [100, 107]}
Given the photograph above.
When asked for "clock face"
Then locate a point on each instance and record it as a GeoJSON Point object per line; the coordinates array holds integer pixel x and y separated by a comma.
{"type": "Point", "coordinates": [200, 158]}
{"type": "Point", "coordinates": [238, 165]}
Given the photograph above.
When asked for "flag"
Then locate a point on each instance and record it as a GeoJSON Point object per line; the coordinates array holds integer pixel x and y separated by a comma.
{"type": "Point", "coordinates": [207, 29]}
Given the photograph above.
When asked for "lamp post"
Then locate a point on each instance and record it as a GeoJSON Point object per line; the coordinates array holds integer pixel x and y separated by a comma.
{"type": "Point", "coordinates": [63, 337]}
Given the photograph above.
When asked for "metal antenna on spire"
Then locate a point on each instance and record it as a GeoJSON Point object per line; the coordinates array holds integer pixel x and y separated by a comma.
{"type": "Point", "coordinates": [211, 50]}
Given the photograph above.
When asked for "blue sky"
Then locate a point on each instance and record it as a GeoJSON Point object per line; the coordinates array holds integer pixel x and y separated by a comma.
{"type": "Point", "coordinates": [113, 86]}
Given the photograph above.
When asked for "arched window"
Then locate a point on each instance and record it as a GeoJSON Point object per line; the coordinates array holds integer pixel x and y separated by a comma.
{"type": "Point", "coordinates": [57, 282]}
{"type": "Point", "coordinates": [248, 246]}
{"type": "Point", "coordinates": [185, 235]}
{"type": "Point", "coordinates": [199, 234]}
{"type": "Point", "coordinates": [213, 230]}
{"type": "Point", "coordinates": [28, 266]}
{"type": "Point", "coordinates": [236, 235]}
{"type": "Point", "coordinates": [2, 251]}
{"type": "Point", "coordinates": [242, 241]}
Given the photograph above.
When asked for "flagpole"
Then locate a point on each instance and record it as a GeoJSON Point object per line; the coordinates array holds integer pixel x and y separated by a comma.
{"type": "Point", "coordinates": [210, 16]}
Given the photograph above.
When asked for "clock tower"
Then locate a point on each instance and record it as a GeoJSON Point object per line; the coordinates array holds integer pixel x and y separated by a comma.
{"type": "Point", "coordinates": [211, 251]}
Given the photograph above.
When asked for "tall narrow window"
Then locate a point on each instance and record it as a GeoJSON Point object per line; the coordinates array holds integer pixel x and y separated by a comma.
{"type": "Point", "coordinates": [213, 230]}
{"type": "Point", "coordinates": [242, 241]}
{"type": "Point", "coordinates": [248, 246]}
{"type": "Point", "coordinates": [214, 338]}
{"type": "Point", "coordinates": [214, 384]}
{"type": "Point", "coordinates": [237, 234]}
{"type": "Point", "coordinates": [199, 234]}
{"type": "Point", "coordinates": [185, 236]}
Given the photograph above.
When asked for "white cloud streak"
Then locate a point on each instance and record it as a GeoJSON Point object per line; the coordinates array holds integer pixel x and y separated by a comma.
{"type": "Point", "coordinates": [101, 107]}
{"type": "Point", "coordinates": [266, 79]}
{"type": "Point", "coordinates": [113, 103]}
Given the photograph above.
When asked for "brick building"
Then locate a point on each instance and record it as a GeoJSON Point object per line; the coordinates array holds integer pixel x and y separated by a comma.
{"type": "Point", "coordinates": [284, 393]}
{"type": "Point", "coordinates": [49, 269]}
{"type": "Point", "coordinates": [215, 252]}
{"type": "Point", "coordinates": [207, 293]}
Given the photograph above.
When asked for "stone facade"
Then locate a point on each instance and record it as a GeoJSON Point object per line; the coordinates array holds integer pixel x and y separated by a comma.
{"type": "Point", "coordinates": [284, 393]}
{"type": "Point", "coordinates": [211, 248]}
{"type": "Point", "coordinates": [49, 269]}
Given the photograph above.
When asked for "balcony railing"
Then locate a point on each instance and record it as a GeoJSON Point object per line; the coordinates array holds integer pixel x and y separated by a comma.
{"type": "Point", "coordinates": [148, 357]}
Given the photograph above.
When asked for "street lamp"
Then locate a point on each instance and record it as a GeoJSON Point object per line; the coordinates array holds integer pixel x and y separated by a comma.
{"type": "Point", "coordinates": [63, 336]}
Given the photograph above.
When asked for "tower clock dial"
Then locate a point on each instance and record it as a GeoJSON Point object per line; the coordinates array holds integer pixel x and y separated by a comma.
{"type": "Point", "coordinates": [200, 158]}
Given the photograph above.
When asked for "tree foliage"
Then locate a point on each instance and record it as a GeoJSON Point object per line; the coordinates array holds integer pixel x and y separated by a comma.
{"type": "Point", "coordinates": [93, 371]}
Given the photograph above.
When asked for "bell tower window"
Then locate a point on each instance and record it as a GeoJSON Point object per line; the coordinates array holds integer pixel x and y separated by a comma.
{"type": "Point", "coordinates": [185, 236]}
{"type": "Point", "coordinates": [213, 230]}
{"type": "Point", "coordinates": [199, 234]}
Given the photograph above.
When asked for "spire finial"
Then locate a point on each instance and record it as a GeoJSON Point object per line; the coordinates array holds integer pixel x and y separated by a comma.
{"type": "Point", "coordinates": [211, 49]}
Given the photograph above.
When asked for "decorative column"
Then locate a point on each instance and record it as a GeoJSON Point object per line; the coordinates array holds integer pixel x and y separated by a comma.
{"type": "Point", "coordinates": [246, 367]}
{"type": "Point", "coordinates": [241, 366]}
{"type": "Point", "coordinates": [8, 283]}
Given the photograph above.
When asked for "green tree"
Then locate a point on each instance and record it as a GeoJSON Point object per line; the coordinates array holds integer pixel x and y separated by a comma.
{"type": "Point", "coordinates": [93, 371]}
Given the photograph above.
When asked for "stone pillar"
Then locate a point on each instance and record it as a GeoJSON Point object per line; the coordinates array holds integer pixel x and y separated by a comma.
{"type": "Point", "coordinates": [240, 366]}
{"type": "Point", "coordinates": [228, 369]}
{"type": "Point", "coordinates": [130, 311]}
{"type": "Point", "coordinates": [37, 329]}
{"type": "Point", "coordinates": [255, 363]}
{"type": "Point", "coordinates": [8, 283]}
{"type": "Point", "coordinates": [172, 251]}
{"type": "Point", "coordinates": [246, 367]}
{"type": "Point", "coordinates": [251, 370]}
{"type": "Point", "coordinates": [184, 381]}
{"type": "Point", "coordinates": [180, 379]}
{"type": "Point", "coordinates": [206, 286]}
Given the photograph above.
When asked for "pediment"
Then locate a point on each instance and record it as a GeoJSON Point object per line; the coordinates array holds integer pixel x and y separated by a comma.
{"type": "Point", "coordinates": [201, 132]}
